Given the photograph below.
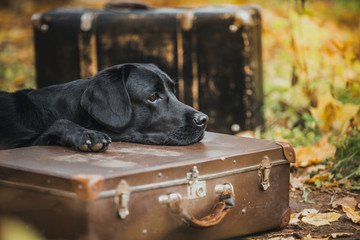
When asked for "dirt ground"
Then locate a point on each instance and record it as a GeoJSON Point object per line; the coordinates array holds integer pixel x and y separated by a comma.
{"type": "Point", "coordinates": [344, 228]}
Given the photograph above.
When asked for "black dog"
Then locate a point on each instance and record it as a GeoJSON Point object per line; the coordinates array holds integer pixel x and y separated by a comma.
{"type": "Point", "coordinates": [128, 102]}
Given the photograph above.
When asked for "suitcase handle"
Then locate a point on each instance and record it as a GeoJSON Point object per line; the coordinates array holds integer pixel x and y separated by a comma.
{"type": "Point", "coordinates": [217, 214]}
{"type": "Point", "coordinates": [133, 5]}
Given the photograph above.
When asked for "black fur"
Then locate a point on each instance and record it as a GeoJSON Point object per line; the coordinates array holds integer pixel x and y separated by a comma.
{"type": "Point", "coordinates": [128, 102]}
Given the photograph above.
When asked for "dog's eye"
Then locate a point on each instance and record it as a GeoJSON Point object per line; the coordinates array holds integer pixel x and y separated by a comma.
{"type": "Point", "coordinates": [153, 97]}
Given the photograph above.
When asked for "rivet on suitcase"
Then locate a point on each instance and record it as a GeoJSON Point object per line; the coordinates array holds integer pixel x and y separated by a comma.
{"type": "Point", "coordinates": [222, 187]}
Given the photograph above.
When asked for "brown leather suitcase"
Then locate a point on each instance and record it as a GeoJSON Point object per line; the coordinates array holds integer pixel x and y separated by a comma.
{"type": "Point", "coordinates": [222, 187]}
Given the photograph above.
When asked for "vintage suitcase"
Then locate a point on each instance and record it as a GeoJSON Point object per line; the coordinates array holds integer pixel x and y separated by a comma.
{"type": "Point", "coordinates": [213, 53]}
{"type": "Point", "coordinates": [222, 187]}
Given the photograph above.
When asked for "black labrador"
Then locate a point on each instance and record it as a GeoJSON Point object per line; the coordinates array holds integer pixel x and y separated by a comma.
{"type": "Point", "coordinates": [127, 102]}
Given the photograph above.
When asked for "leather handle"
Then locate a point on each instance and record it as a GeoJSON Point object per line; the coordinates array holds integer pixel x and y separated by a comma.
{"type": "Point", "coordinates": [216, 215]}
{"type": "Point", "coordinates": [127, 5]}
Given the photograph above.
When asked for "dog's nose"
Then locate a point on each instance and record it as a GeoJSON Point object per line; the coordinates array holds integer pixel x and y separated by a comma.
{"type": "Point", "coordinates": [201, 120]}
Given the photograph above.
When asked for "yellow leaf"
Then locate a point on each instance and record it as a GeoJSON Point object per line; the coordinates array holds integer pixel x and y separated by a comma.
{"type": "Point", "coordinates": [332, 114]}
{"type": "Point", "coordinates": [325, 111]}
{"type": "Point", "coordinates": [344, 114]}
{"type": "Point", "coordinates": [319, 177]}
{"type": "Point", "coordinates": [282, 238]}
{"type": "Point", "coordinates": [343, 234]}
{"type": "Point", "coordinates": [348, 204]}
{"type": "Point", "coordinates": [345, 202]}
{"type": "Point", "coordinates": [294, 220]}
{"type": "Point", "coordinates": [306, 211]}
{"type": "Point", "coordinates": [315, 169]}
{"type": "Point", "coordinates": [321, 219]}
{"type": "Point", "coordinates": [330, 184]}
{"type": "Point", "coordinates": [350, 213]}
{"type": "Point", "coordinates": [309, 237]}
{"type": "Point", "coordinates": [338, 44]}
{"type": "Point", "coordinates": [12, 229]}
{"type": "Point", "coordinates": [314, 154]}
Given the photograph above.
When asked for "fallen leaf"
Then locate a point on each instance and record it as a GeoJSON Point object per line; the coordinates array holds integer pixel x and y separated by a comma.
{"type": "Point", "coordinates": [282, 238]}
{"type": "Point", "coordinates": [330, 184]}
{"type": "Point", "coordinates": [346, 182]}
{"type": "Point", "coordinates": [350, 213]}
{"type": "Point", "coordinates": [294, 220]}
{"type": "Point", "coordinates": [344, 234]}
{"type": "Point", "coordinates": [325, 111]}
{"type": "Point", "coordinates": [309, 237]}
{"type": "Point", "coordinates": [345, 113]}
{"type": "Point", "coordinates": [315, 169]}
{"type": "Point", "coordinates": [332, 114]}
{"type": "Point", "coordinates": [345, 202]}
{"type": "Point", "coordinates": [348, 204]}
{"type": "Point", "coordinates": [319, 177]}
{"type": "Point", "coordinates": [306, 156]}
{"type": "Point", "coordinates": [15, 229]}
{"type": "Point", "coordinates": [297, 182]}
{"type": "Point", "coordinates": [321, 219]}
{"type": "Point", "coordinates": [295, 217]}
{"type": "Point", "coordinates": [306, 211]}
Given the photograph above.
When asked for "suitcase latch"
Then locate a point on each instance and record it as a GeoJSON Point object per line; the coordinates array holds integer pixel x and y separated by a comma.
{"type": "Point", "coordinates": [195, 188]}
{"type": "Point", "coordinates": [264, 172]}
{"type": "Point", "coordinates": [122, 199]}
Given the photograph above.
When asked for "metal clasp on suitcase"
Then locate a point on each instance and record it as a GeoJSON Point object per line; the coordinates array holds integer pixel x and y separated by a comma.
{"type": "Point", "coordinates": [122, 199]}
{"type": "Point", "coordinates": [197, 189]}
{"type": "Point", "coordinates": [264, 172]}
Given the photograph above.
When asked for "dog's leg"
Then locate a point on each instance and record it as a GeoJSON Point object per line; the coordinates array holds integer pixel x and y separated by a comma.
{"type": "Point", "coordinates": [66, 133]}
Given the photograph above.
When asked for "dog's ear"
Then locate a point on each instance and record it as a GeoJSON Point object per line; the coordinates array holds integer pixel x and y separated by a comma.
{"type": "Point", "coordinates": [106, 98]}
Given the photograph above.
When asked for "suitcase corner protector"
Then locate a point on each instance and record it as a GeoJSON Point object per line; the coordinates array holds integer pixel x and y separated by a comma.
{"type": "Point", "coordinates": [285, 218]}
{"type": "Point", "coordinates": [87, 186]}
{"type": "Point", "coordinates": [288, 151]}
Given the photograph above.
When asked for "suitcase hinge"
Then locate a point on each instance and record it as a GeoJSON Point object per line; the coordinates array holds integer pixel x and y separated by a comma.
{"type": "Point", "coordinates": [264, 172]}
{"type": "Point", "coordinates": [195, 188]}
{"type": "Point", "coordinates": [122, 198]}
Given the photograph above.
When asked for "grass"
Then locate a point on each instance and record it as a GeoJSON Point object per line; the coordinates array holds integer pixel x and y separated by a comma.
{"type": "Point", "coordinates": [347, 159]}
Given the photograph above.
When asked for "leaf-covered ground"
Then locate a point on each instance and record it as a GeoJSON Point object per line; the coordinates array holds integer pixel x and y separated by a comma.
{"type": "Point", "coordinates": [318, 217]}
{"type": "Point", "coordinates": [311, 55]}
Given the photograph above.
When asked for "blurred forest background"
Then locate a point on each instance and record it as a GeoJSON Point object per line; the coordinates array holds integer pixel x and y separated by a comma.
{"type": "Point", "coordinates": [311, 56]}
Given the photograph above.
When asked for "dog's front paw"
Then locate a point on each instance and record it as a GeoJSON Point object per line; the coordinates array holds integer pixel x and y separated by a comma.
{"type": "Point", "coordinates": [85, 140]}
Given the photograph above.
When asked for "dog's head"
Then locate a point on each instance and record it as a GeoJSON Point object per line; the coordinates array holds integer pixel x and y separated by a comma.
{"type": "Point", "coordinates": [137, 103]}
